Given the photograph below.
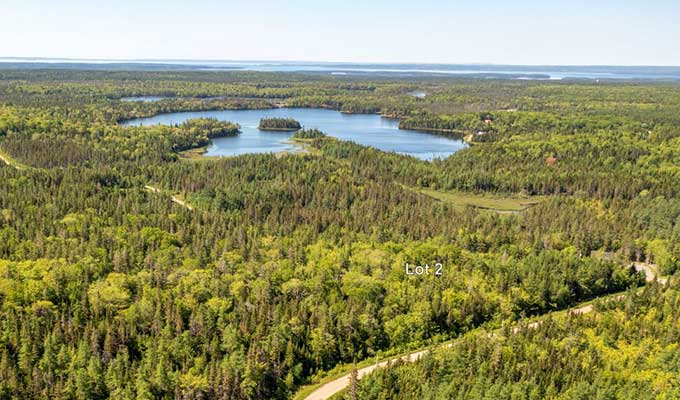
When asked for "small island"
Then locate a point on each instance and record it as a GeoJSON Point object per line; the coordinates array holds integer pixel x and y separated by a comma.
{"type": "Point", "coordinates": [279, 124]}
{"type": "Point", "coordinates": [210, 127]}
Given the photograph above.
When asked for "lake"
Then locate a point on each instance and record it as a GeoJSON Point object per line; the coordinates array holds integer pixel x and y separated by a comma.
{"type": "Point", "coordinates": [366, 129]}
{"type": "Point", "coordinates": [417, 94]}
{"type": "Point", "coordinates": [145, 99]}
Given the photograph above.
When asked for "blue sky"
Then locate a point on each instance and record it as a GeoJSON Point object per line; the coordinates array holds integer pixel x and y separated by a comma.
{"type": "Point", "coordinates": [611, 32]}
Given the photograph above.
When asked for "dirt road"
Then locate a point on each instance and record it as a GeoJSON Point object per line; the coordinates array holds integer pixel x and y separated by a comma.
{"type": "Point", "coordinates": [9, 163]}
{"type": "Point", "coordinates": [650, 271]}
{"type": "Point", "coordinates": [334, 387]}
{"type": "Point", "coordinates": [174, 199]}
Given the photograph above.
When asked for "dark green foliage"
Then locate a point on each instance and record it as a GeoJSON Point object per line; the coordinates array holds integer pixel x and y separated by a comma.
{"type": "Point", "coordinates": [308, 134]}
{"type": "Point", "coordinates": [210, 127]}
{"type": "Point", "coordinates": [279, 124]}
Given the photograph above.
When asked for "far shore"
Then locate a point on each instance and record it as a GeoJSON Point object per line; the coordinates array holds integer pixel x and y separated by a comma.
{"type": "Point", "coordinates": [279, 129]}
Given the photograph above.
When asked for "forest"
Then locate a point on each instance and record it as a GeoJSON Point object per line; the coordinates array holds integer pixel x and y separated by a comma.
{"type": "Point", "coordinates": [131, 271]}
{"type": "Point", "coordinates": [627, 351]}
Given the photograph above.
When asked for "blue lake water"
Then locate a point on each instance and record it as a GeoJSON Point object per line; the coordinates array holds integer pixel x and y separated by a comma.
{"type": "Point", "coordinates": [366, 129]}
{"type": "Point", "coordinates": [145, 99]}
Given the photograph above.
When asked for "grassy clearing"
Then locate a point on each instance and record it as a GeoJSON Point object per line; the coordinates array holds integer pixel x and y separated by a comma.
{"type": "Point", "coordinates": [195, 154]}
{"type": "Point", "coordinates": [500, 204]}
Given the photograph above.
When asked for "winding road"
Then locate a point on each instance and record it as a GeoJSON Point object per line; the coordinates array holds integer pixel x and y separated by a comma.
{"type": "Point", "coordinates": [329, 389]}
{"type": "Point", "coordinates": [174, 199]}
{"type": "Point", "coordinates": [150, 188]}
{"type": "Point", "coordinates": [9, 163]}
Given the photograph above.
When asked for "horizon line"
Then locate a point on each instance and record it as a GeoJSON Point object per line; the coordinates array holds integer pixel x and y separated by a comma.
{"type": "Point", "coordinates": [237, 61]}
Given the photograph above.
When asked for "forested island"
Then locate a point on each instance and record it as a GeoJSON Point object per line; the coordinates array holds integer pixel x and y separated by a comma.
{"type": "Point", "coordinates": [279, 124]}
{"type": "Point", "coordinates": [210, 127]}
{"type": "Point", "coordinates": [129, 271]}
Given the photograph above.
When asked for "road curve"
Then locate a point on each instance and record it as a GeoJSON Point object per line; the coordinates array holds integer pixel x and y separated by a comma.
{"type": "Point", "coordinates": [174, 199]}
{"type": "Point", "coordinates": [650, 271]}
{"type": "Point", "coordinates": [334, 387]}
{"type": "Point", "coordinates": [9, 163]}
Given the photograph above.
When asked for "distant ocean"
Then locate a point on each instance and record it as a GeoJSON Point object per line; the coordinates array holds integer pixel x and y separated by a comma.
{"type": "Point", "coordinates": [490, 71]}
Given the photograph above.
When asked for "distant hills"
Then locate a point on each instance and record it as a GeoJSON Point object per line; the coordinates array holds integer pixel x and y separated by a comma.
{"type": "Point", "coordinates": [491, 71]}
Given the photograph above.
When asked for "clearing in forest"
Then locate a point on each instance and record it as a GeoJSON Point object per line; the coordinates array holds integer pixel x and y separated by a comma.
{"type": "Point", "coordinates": [500, 204]}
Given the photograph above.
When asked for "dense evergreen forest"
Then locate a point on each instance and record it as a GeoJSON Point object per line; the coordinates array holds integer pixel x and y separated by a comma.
{"type": "Point", "coordinates": [628, 350]}
{"type": "Point", "coordinates": [279, 124]}
{"type": "Point", "coordinates": [129, 270]}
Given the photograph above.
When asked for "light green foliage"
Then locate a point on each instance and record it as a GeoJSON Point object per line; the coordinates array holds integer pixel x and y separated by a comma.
{"type": "Point", "coordinates": [110, 293]}
{"type": "Point", "coordinates": [624, 351]}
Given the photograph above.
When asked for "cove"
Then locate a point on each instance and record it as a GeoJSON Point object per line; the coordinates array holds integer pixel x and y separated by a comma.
{"type": "Point", "coordinates": [365, 129]}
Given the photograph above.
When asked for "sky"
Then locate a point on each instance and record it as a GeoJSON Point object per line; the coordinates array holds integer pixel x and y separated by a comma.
{"type": "Point", "coordinates": [547, 32]}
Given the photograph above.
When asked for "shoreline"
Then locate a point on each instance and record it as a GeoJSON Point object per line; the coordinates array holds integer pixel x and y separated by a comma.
{"type": "Point", "coordinates": [279, 129]}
